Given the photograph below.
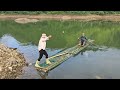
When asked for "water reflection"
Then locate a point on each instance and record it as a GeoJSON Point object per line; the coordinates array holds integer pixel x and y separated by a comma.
{"type": "Point", "coordinates": [93, 62]}
{"type": "Point", "coordinates": [9, 41]}
{"type": "Point", "coordinates": [104, 33]}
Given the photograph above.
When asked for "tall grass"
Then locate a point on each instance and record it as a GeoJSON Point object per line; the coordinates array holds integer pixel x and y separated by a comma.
{"type": "Point", "coordinates": [104, 33]}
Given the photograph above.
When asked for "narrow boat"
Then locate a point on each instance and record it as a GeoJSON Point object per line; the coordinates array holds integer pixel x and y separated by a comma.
{"type": "Point", "coordinates": [61, 57]}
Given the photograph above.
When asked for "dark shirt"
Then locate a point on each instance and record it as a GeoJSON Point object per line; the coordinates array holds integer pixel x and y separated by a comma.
{"type": "Point", "coordinates": [83, 38]}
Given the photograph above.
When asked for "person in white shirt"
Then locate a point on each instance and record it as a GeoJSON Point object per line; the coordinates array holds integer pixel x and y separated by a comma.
{"type": "Point", "coordinates": [41, 48]}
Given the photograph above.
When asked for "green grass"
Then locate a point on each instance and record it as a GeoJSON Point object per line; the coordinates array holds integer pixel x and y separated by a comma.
{"type": "Point", "coordinates": [104, 33]}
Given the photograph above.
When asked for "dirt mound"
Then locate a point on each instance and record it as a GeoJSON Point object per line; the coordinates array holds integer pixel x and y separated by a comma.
{"type": "Point", "coordinates": [11, 63]}
{"type": "Point", "coordinates": [25, 20]}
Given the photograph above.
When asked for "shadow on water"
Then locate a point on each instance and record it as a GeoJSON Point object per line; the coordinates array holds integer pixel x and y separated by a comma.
{"type": "Point", "coordinates": [43, 75]}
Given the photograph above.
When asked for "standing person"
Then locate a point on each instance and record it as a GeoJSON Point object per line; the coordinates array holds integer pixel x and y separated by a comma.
{"type": "Point", "coordinates": [83, 39]}
{"type": "Point", "coordinates": [41, 48]}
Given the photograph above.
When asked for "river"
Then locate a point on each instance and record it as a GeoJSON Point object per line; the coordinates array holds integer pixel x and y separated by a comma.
{"type": "Point", "coordinates": [103, 63]}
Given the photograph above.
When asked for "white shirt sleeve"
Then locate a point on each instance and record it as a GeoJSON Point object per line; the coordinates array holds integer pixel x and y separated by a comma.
{"type": "Point", "coordinates": [46, 38]}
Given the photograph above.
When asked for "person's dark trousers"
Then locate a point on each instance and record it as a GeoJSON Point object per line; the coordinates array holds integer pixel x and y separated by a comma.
{"type": "Point", "coordinates": [41, 53]}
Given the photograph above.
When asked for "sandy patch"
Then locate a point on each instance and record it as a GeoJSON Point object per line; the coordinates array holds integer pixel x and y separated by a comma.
{"type": "Point", "coordinates": [25, 20]}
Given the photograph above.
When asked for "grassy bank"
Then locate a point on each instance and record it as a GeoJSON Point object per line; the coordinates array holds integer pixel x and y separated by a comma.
{"type": "Point", "coordinates": [60, 12]}
{"type": "Point", "coordinates": [104, 33]}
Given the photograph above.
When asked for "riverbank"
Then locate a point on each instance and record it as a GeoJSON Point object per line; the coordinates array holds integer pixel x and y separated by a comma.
{"type": "Point", "coordinates": [11, 62]}
{"type": "Point", "coordinates": [63, 17]}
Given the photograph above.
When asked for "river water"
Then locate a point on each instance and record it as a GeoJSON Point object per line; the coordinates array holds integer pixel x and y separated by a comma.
{"type": "Point", "coordinates": [99, 64]}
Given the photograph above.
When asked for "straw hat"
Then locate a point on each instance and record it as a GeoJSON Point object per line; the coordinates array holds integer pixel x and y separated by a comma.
{"type": "Point", "coordinates": [43, 34]}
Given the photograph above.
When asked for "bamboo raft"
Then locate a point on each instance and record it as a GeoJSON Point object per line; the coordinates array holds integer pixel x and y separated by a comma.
{"type": "Point", "coordinates": [58, 59]}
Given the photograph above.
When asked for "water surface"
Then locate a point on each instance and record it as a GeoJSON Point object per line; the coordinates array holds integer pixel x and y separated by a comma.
{"type": "Point", "coordinates": [103, 62]}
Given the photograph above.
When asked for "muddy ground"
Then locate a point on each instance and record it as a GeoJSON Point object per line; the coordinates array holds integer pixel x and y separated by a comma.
{"type": "Point", "coordinates": [35, 18]}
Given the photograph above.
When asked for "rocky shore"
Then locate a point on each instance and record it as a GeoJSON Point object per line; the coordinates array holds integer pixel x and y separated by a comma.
{"type": "Point", "coordinates": [11, 63]}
